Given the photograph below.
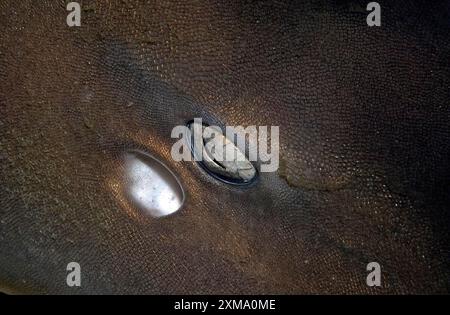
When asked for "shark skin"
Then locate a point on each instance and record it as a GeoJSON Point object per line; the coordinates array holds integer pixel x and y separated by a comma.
{"type": "Point", "coordinates": [364, 121]}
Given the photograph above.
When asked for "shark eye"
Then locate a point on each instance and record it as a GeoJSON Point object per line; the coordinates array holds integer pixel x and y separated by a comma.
{"type": "Point", "coordinates": [219, 156]}
{"type": "Point", "coordinates": [150, 185]}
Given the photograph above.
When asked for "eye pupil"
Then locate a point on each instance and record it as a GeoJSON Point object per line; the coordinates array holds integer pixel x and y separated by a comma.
{"type": "Point", "coordinates": [219, 156]}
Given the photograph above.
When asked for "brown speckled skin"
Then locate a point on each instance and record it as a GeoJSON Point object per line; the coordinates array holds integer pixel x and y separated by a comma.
{"type": "Point", "coordinates": [364, 118]}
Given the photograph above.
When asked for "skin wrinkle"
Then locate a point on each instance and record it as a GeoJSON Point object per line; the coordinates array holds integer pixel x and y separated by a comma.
{"type": "Point", "coordinates": [364, 126]}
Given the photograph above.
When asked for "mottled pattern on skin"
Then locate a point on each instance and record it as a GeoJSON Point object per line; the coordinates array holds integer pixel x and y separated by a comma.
{"type": "Point", "coordinates": [364, 129]}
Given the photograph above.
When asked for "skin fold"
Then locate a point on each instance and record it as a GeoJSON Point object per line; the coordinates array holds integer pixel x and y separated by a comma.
{"type": "Point", "coordinates": [364, 122]}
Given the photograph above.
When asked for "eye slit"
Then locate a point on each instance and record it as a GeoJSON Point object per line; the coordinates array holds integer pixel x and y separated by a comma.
{"type": "Point", "coordinates": [210, 155]}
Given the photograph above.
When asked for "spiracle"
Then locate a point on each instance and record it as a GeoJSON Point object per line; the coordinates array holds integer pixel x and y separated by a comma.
{"type": "Point", "coordinates": [219, 156]}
